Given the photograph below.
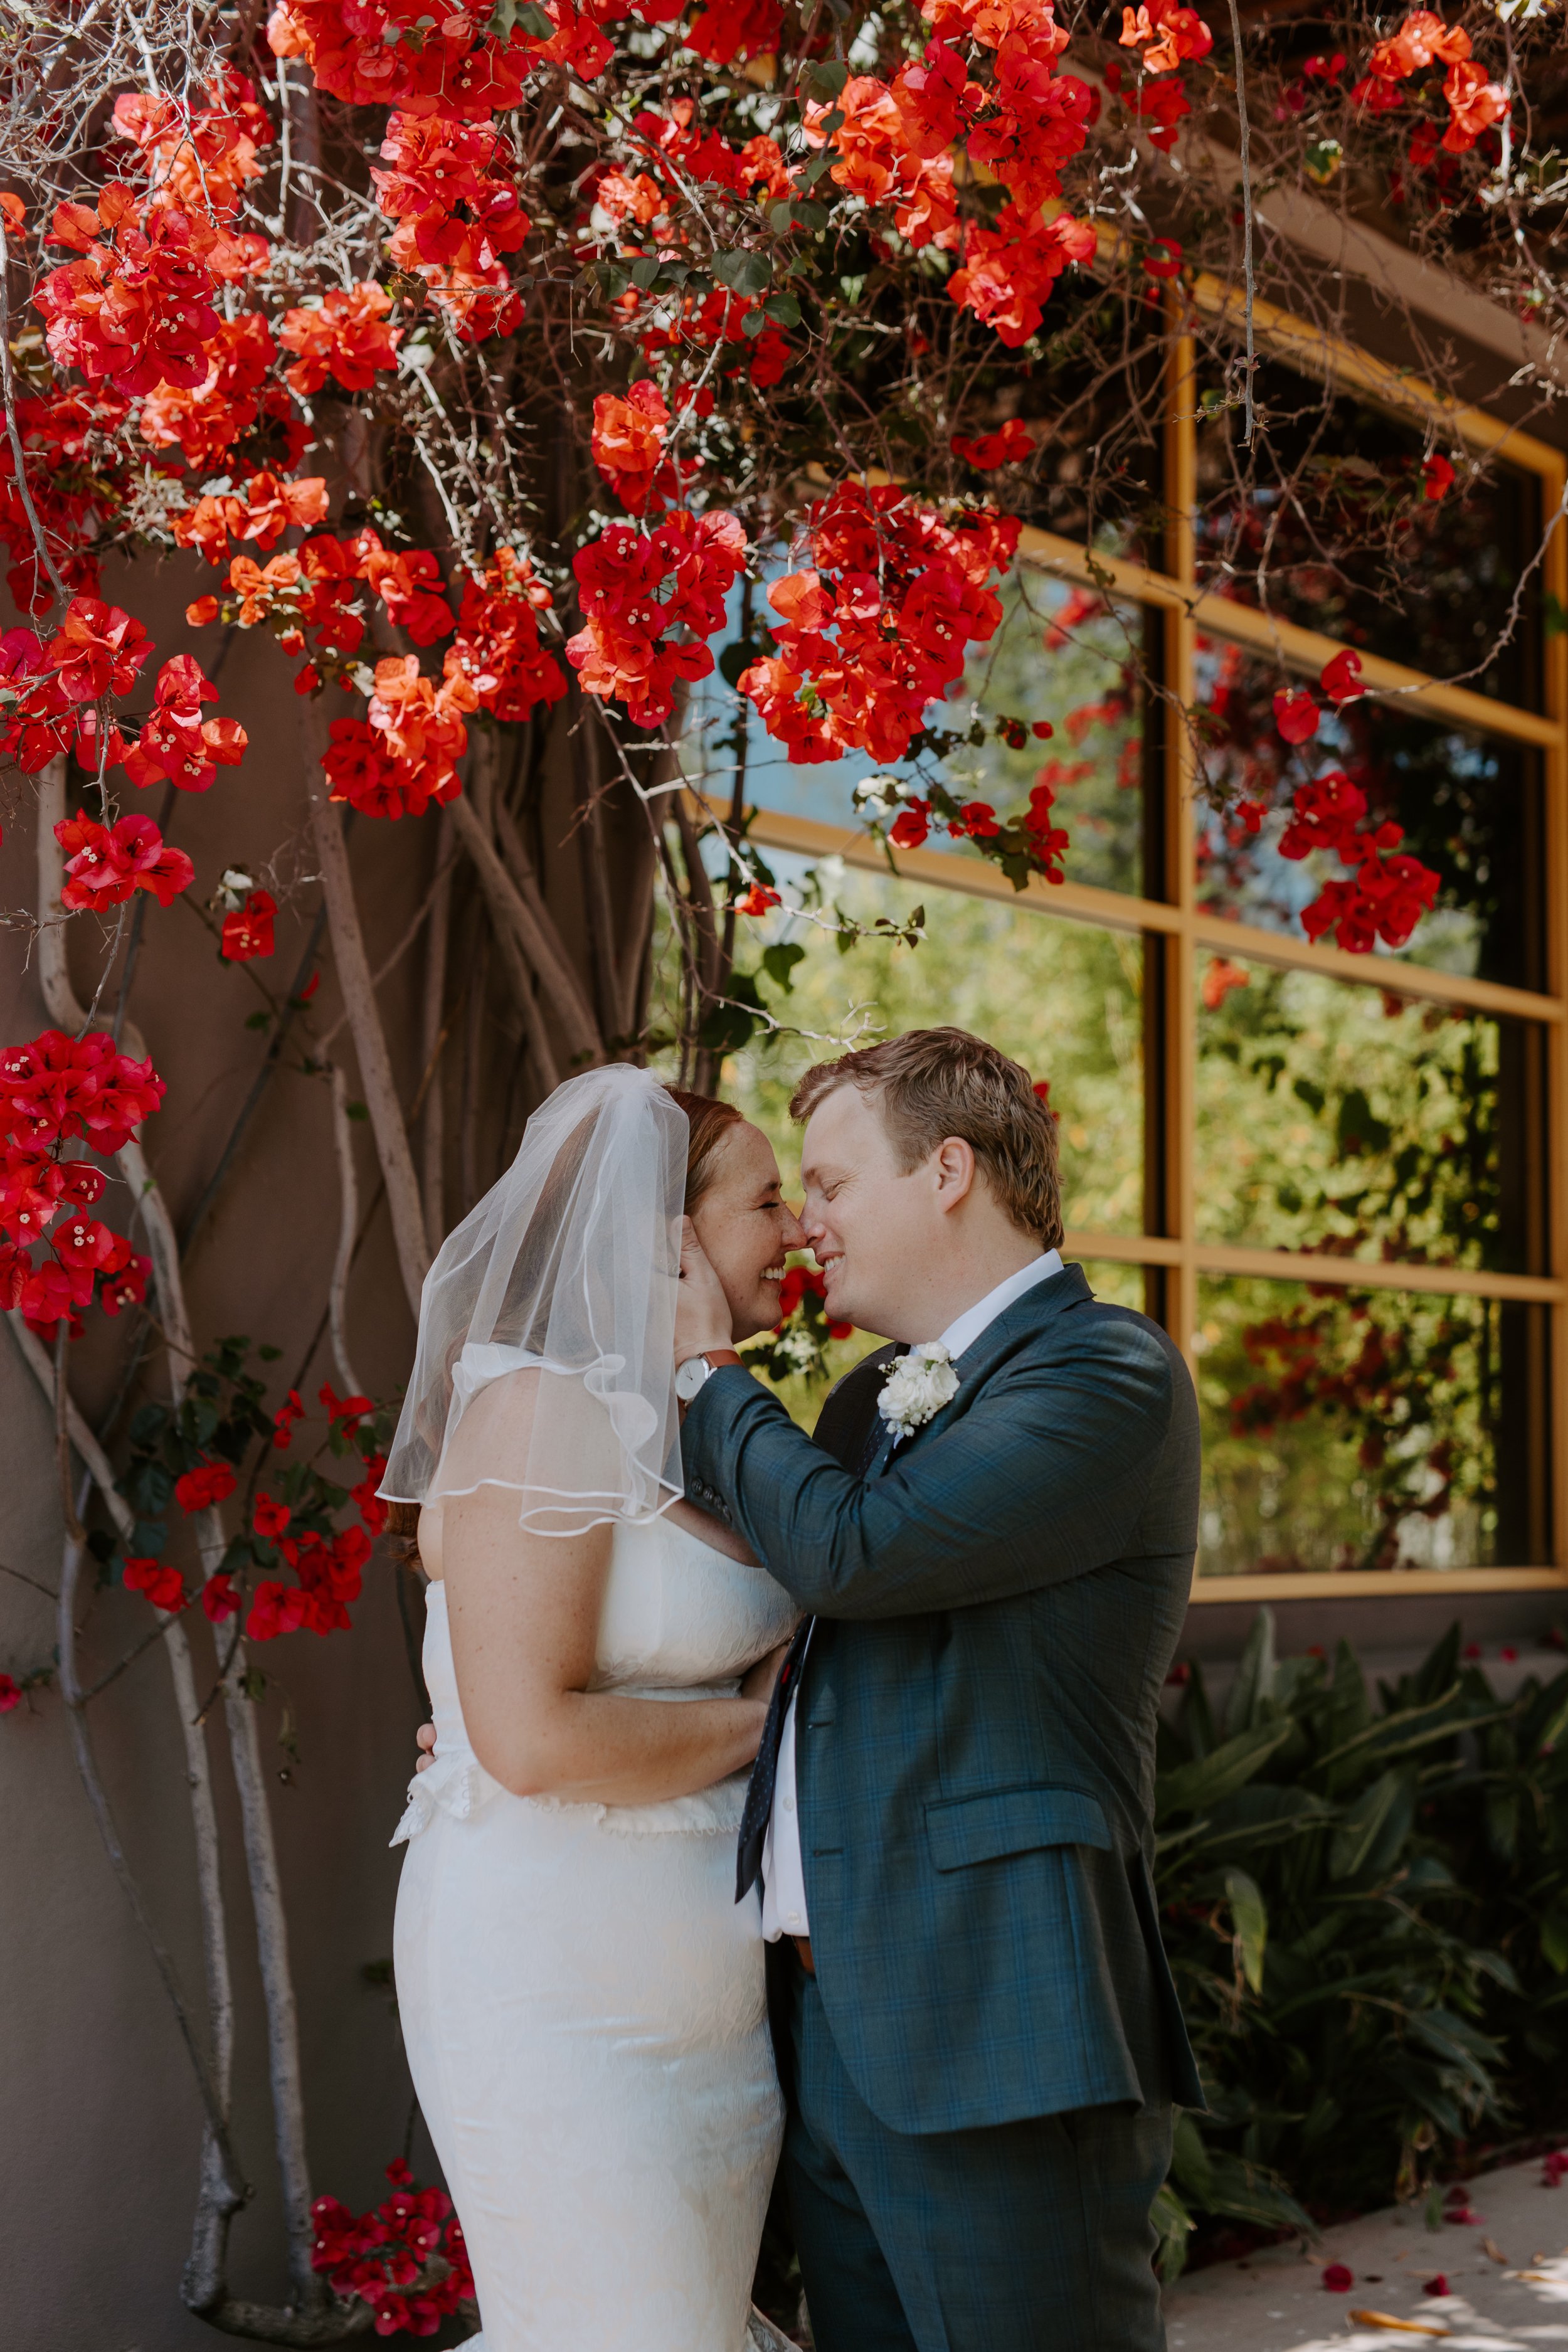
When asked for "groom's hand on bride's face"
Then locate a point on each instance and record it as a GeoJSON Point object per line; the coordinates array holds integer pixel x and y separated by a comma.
{"type": "Point", "coordinates": [425, 1735]}
{"type": "Point", "coordinates": [702, 1317]}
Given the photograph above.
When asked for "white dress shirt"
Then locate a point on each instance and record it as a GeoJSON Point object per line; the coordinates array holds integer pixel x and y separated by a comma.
{"type": "Point", "coordinates": [783, 1875]}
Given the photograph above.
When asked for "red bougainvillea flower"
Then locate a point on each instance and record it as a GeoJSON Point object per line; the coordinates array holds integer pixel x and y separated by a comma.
{"type": "Point", "coordinates": [10, 1695]}
{"type": "Point", "coordinates": [1163, 258]}
{"type": "Point", "coordinates": [1007, 447]}
{"type": "Point", "coordinates": [97, 649]}
{"type": "Point", "coordinates": [1008, 272]}
{"type": "Point", "coordinates": [350, 1409]}
{"type": "Point", "coordinates": [346, 336]}
{"type": "Point", "coordinates": [270, 1516]}
{"type": "Point", "coordinates": [1295, 713]}
{"type": "Point", "coordinates": [1337, 2278]}
{"type": "Point", "coordinates": [123, 1279]}
{"type": "Point", "coordinates": [164, 1587]}
{"type": "Point", "coordinates": [1436, 477]}
{"type": "Point", "coordinates": [1341, 679]}
{"type": "Point", "coordinates": [880, 627]}
{"type": "Point", "coordinates": [638, 589]}
{"type": "Point", "coordinates": [209, 1483]}
{"type": "Point", "coordinates": [277, 1609]}
{"type": "Point", "coordinates": [910, 828]}
{"type": "Point", "coordinates": [247, 931]}
{"type": "Point", "coordinates": [56, 1087]}
{"type": "Point", "coordinates": [367, 1502]}
{"type": "Point", "coordinates": [105, 864]}
{"type": "Point", "coordinates": [219, 1599]}
{"type": "Point", "coordinates": [1435, 2285]}
{"type": "Point", "coordinates": [176, 742]}
{"type": "Point", "coordinates": [756, 900]}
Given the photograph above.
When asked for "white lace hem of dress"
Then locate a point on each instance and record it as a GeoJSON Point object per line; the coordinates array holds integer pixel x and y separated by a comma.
{"type": "Point", "coordinates": [460, 1786]}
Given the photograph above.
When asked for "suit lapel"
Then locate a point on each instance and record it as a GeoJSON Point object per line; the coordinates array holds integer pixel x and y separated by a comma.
{"type": "Point", "coordinates": [1037, 1308]}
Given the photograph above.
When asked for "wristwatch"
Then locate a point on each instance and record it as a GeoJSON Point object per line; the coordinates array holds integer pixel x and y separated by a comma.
{"type": "Point", "coordinates": [690, 1375]}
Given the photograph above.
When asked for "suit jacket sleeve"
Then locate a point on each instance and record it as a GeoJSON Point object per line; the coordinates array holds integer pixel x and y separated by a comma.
{"type": "Point", "coordinates": [1043, 1476]}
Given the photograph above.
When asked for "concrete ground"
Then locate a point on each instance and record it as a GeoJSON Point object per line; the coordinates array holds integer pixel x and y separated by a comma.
{"type": "Point", "coordinates": [1506, 2270]}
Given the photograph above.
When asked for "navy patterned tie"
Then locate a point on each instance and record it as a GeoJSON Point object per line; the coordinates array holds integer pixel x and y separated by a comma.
{"type": "Point", "coordinates": [757, 1811]}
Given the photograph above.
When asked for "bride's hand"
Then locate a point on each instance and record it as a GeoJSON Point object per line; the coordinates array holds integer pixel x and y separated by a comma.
{"type": "Point", "coordinates": [425, 1735]}
{"type": "Point", "coordinates": [702, 1317]}
{"type": "Point", "coordinates": [758, 1680]}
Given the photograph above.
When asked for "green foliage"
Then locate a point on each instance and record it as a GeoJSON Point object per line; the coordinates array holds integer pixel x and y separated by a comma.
{"type": "Point", "coordinates": [1365, 1905]}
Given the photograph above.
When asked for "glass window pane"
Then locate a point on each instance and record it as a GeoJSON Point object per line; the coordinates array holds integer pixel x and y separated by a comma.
{"type": "Point", "coordinates": [1369, 1429]}
{"type": "Point", "coordinates": [1116, 1284]}
{"type": "Point", "coordinates": [1469, 805]}
{"type": "Point", "coordinates": [1064, 999]}
{"type": "Point", "coordinates": [1060, 657]}
{"type": "Point", "coordinates": [1327, 522]}
{"type": "Point", "coordinates": [1345, 1119]}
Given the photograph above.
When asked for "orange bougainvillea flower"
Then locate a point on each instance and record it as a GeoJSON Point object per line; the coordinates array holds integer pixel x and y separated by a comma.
{"type": "Point", "coordinates": [628, 446]}
{"type": "Point", "coordinates": [346, 337]}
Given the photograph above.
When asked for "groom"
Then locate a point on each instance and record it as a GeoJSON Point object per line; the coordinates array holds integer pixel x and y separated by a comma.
{"type": "Point", "coordinates": [951, 1810]}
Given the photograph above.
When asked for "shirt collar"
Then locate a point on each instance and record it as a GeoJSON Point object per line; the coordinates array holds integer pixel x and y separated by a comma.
{"type": "Point", "coordinates": [967, 1327]}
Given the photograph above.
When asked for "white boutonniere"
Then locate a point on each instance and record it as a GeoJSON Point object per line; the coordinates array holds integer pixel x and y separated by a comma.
{"type": "Point", "coordinates": [916, 1388]}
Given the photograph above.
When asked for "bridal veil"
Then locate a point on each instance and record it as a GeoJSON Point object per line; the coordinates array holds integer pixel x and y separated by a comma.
{"type": "Point", "coordinates": [545, 1360]}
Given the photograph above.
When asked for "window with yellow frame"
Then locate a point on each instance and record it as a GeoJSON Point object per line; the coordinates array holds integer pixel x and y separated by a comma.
{"type": "Point", "coordinates": [1337, 1179]}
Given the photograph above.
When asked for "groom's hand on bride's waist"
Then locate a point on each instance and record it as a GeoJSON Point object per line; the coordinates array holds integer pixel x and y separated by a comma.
{"type": "Point", "coordinates": [425, 1735]}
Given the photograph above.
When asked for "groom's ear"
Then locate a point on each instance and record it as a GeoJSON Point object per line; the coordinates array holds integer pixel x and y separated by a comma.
{"type": "Point", "coordinates": [953, 1167]}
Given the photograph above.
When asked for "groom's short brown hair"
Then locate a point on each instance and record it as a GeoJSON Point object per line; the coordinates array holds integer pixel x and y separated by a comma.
{"type": "Point", "coordinates": [933, 1083]}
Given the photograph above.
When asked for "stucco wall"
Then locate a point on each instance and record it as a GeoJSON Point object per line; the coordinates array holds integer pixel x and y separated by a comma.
{"type": "Point", "coordinates": [98, 2148]}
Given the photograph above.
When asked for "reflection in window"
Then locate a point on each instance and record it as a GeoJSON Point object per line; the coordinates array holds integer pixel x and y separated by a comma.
{"type": "Point", "coordinates": [1356, 1430]}
{"type": "Point", "coordinates": [1328, 522]}
{"type": "Point", "coordinates": [1348, 1119]}
{"type": "Point", "coordinates": [1060, 659]}
{"type": "Point", "coordinates": [1064, 999]}
{"type": "Point", "coordinates": [1468, 804]}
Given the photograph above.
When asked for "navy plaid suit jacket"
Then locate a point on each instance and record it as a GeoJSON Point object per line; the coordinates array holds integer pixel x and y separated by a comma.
{"type": "Point", "coordinates": [999, 1604]}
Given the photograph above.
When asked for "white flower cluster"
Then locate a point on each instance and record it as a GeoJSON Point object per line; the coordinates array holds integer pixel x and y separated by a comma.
{"type": "Point", "coordinates": [916, 1388]}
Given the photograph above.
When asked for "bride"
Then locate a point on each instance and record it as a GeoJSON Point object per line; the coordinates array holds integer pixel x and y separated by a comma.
{"type": "Point", "coordinates": [582, 1998]}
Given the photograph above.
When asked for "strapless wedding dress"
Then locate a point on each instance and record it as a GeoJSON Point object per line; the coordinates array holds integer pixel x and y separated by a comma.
{"type": "Point", "coordinates": [583, 2000]}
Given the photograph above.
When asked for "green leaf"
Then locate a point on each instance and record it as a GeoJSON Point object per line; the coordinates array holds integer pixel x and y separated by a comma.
{"type": "Point", "coordinates": [534, 21]}
{"type": "Point", "coordinates": [781, 216]}
{"type": "Point", "coordinates": [1209, 1778]}
{"type": "Point", "coordinates": [1375, 1827]}
{"type": "Point", "coordinates": [753, 324]}
{"type": "Point", "coordinates": [1172, 2226]}
{"type": "Point", "coordinates": [1190, 2159]}
{"type": "Point", "coordinates": [745, 271]}
{"type": "Point", "coordinates": [258, 1021]}
{"type": "Point", "coordinates": [1254, 1676]}
{"type": "Point", "coordinates": [779, 962]}
{"type": "Point", "coordinates": [645, 271]}
{"type": "Point", "coordinates": [827, 79]}
{"type": "Point", "coordinates": [358, 1110]}
{"type": "Point", "coordinates": [782, 310]}
{"type": "Point", "coordinates": [815, 168]}
{"type": "Point", "coordinates": [1249, 1920]}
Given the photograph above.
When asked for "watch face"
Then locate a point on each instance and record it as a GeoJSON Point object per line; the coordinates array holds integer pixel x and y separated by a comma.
{"type": "Point", "coordinates": [690, 1378]}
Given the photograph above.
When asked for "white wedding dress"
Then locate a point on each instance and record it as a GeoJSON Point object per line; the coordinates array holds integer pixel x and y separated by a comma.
{"type": "Point", "coordinates": [583, 2000]}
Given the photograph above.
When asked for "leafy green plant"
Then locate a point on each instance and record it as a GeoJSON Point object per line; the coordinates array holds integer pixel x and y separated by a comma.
{"type": "Point", "coordinates": [1366, 1902]}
